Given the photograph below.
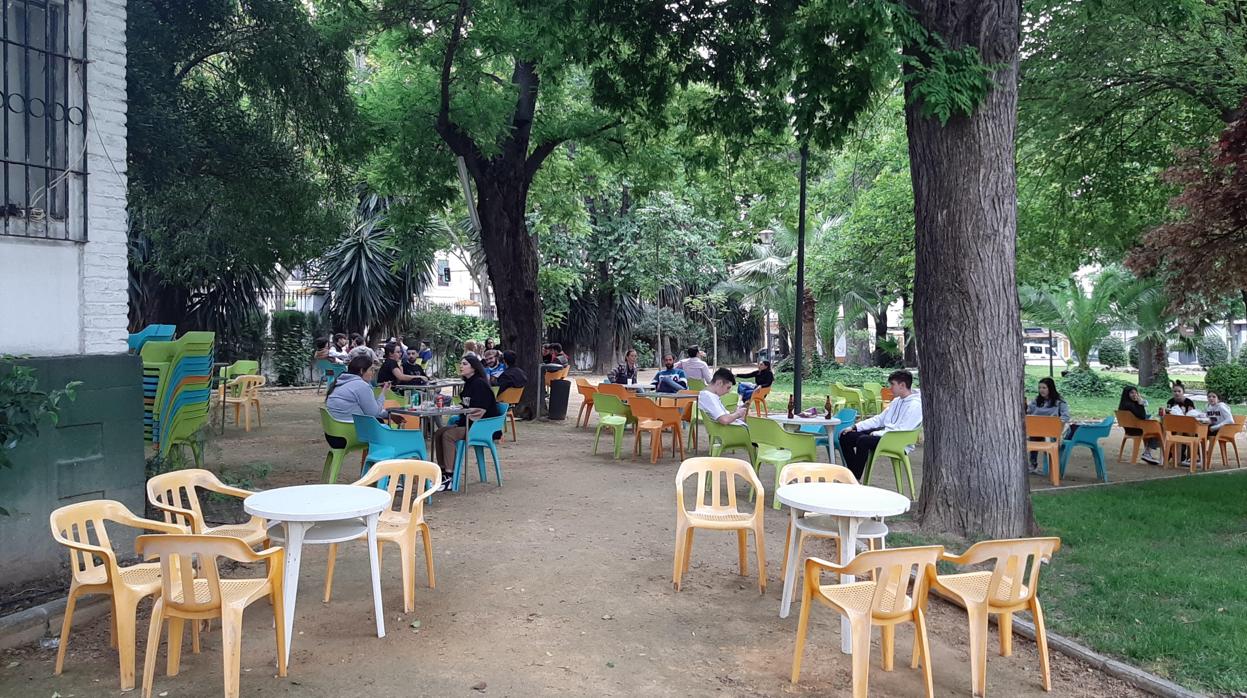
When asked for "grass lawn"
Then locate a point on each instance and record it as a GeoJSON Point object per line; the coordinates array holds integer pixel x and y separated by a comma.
{"type": "Point", "coordinates": [1154, 573]}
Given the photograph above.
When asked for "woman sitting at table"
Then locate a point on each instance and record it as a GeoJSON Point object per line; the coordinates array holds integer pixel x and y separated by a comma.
{"type": "Point", "coordinates": [1180, 404]}
{"type": "Point", "coordinates": [1134, 403]}
{"type": "Point", "coordinates": [479, 400]}
{"type": "Point", "coordinates": [1048, 403]}
{"type": "Point", "coordinates": [1218, 413]}
{"type": "Point", "coordinates": [392, 368]}
{"type": "Point", "coordinates": [352, 394]}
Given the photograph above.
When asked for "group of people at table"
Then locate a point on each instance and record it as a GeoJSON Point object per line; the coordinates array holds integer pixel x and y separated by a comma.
{"type": "Point", "coordinates": [354, 391]}
{"type": "Point", "coordinates": [857, 442]}
{"type": "Point", "coordinates": [1049, 403]}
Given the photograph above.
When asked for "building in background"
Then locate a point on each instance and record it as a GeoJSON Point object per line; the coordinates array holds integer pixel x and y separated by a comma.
{"type": "Point", "coordinates": [63, 278]}
{"type": "Point", "coordinates": [457, 288]}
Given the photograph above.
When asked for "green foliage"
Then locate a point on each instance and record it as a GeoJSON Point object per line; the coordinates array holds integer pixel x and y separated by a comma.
{"type": "Point", "coordinates": [677, 330]}
{"type": "Point", "coordinates": [1134, 355]}
{"type": "Point", "coordinates": [446, 332]}
{"type": "Point", "coordinates": [1212, 352]}
{"type": "Point", "coordinates": [950, 83]}
{"type": "Point", "coordinates": [292, 345]}
{"type": "Point", "coordinates": [1112, 352]}
{"type": "Point", "coordinates": [1084, 382]}
{"type": "Point", "coordinates": [890, 352]}
{"type": "Point", "coordinates": [1242, 356]}
{"type": "Point", "coordinates": [24, 406]}
{"type": "Point", "coordinates": [1229, 381]}
{"type": "Point", "coordinates": [827, 370]}
{"type": "Point", "coordinates": [246, 342]}
{"type": "Point", "coordinates": [1084, 318]}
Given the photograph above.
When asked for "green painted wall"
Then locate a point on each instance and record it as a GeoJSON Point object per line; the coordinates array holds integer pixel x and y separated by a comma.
{"type": "Point", "coordinates": [96, 451]}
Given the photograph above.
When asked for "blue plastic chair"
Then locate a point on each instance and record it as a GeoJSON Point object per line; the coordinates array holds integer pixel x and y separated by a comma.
{"type": "Point", "coordinates": [151, 333]}
{"type": "Point", "coordinates": [386, 443]}
{"type": "Point", "coordinates": [480, 437]}
{"type": "Point", "coordinates": [329, 372]}
{"type": "Point", "coordinates": [1087, 435]}
{"type": "Point", "coordinates": [847, 417]}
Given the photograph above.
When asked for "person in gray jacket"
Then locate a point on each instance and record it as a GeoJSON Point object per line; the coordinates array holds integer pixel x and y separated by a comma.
{"type": "Point", "coordinates": [1048, 403]}
{"type": "Point", "coordinates": [352, 393]}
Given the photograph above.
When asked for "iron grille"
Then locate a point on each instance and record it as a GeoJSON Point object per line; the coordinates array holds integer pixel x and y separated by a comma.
{"type": "Point", "coordinates": [44, 100]}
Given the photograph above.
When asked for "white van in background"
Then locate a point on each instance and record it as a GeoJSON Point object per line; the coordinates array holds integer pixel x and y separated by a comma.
{"type": "Point", "coordinates": [1038, 353]}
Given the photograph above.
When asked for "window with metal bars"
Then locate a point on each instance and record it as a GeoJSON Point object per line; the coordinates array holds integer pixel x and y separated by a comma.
{"type": "Point", "coordinates": [43, 99]}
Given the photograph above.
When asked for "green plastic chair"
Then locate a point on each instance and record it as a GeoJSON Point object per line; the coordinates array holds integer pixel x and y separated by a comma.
{"type": "Point", "coordinates": [241, 367]}
{"type": "Point", "coordinates": [893, 446]}
{"type": "Point", "coordinates": [613, 414]}
{"type": "Point", "coordinates": [852, 396]}
{"type": "Point", "coordinates": [731, 401]}
{"type": "Point", "coordinates": [696, 384]}
{"type": "Point", "coordinates": [333, 459]}
{"type": "Point", "coordinates": [778, 447]}
{"type": "Point", "coordinates": [872, 394]}
{"type": "Point", "coordinates": [725, 437]}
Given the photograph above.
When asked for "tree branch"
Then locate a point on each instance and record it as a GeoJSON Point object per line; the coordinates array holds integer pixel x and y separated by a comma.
{"type": "Point", "coordinates": [460, 142]}
{"type": "Point", "coordinates": [247, 33]}
{"type": "Point", "coordinates": [543, 151]}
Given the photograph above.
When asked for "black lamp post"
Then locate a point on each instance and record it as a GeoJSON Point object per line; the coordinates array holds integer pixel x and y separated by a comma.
{"type": "Point", "coordinates": [767, 237]}
{"type": "Point", "coordinates": [797, 328]}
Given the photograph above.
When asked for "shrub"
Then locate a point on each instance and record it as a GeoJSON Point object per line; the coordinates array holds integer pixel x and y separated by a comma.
{"type": "Point", "coordinates": [1242, 356]}
{"type": "Point", "coordinates": [1229, 381]}
{"type": "Point", "coordinates": [1113, 353]}
{"type": "Point", "coordinates": [292, 346]}
{"type": "Point", "coordinates": [1212, 352]}
{"type": "Point", "coordinates": [1134, 356]}
{"type": "Point", "coordinates": [1087, 383]}
{"type": "Point", "coordinates": [890, 352]}
{"type": "Point", "coordinates": [446, 332]}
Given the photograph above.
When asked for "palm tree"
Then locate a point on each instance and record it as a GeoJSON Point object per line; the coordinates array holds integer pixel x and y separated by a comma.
{"type": "Point", "coordinates": [1084, 318]}
{"type": "Point", "coordinates": [1144, 303]}
{"type": "Point", "coordinates": [374, 284]}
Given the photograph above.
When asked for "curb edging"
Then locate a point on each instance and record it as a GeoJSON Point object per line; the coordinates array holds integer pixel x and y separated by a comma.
{"type": "Point", "coordinates": [28, 626]}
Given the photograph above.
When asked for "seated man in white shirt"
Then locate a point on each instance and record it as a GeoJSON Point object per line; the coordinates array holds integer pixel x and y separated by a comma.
{"type": "Point", "coordinates": [710, 400]}
{"type": "Point", "coordinates": [904, 413]}
{"type": "Point", "coordinates": [695, 367]}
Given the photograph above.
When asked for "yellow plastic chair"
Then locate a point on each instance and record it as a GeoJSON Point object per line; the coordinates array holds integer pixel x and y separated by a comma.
{"type": "Point", "coordinates": [212, 597]}
{"type": "Point", "coordinates": [95, 571]}
{"type": "Point", "coordinates": [606, 388]}
{"type": "Point", "coordinates": [587, 391]}
{"type": "Point", "coordinates": [175, 494]}
{"type": "Point", "coordinates": [1049, 429]}
{"type": "Point", "coordinates": [758, 400]}
{"type": "Point", "coordinates": [655, 420]}
{"type": "Point", "coordinates": [512, 397]}
{"type": "Point", "coordinates": [244, 394]}
{"type": "Point", "coordinates": [1226, 436]}
{"type": "Point", "coordinates": [420, 479]}
{"type": "Point", "coordinates": [886, 600]}
{"type": "Point", "coordinates": [1006, 589]}
{"type": "Point", "coordinates": [820, 525]}
{"type": "Point", "coordinates": [716, 510]}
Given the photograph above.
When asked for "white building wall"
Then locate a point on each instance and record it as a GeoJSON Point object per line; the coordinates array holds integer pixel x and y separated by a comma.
{"type": "Point", "coordinates": [58, 297]}
{"type": "Point", "coordinates": [462, 287]}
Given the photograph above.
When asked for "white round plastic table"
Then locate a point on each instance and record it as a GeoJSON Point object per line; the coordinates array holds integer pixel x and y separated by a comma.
{"type": "Point", "coordinates": [823, 422]}
{"type": "Point", "coordinates": [849, 504]}
{"type": "Point", "coordinates": [329, 509]}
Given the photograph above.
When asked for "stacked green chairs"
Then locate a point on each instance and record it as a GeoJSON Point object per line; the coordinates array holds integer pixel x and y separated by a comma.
{"type": "Point", "coordinates": [847, 418]}
{"type": "Point", "coordinates": [480, 437]}
{"type": "Point", "coordinates": [346, 432]}
{"type": "Point", "coordinates": [778, 448]}
{"type": "Point", "coordinates": [177, 378]}
{"type": "Point", "coordinates": [1088, 435]}
{"type": "Point", "coordinates": [329, 372]}
{"type": "Point", "coordinates": [727, 437]}
{"type": "Point", "coordinates": [151, 333]}
{"type": "Point", "coordinates": [894, 445]}
{"type": "Point", "coordinates": [613, 414]}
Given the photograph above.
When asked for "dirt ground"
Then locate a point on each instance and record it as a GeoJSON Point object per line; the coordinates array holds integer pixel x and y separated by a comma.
{"type": "Point", "coordinates": [557, 583]}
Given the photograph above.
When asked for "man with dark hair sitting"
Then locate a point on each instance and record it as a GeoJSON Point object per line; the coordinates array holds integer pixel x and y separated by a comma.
{"type": "Point", "coordinates": [512, 376]}
{"type": "Point", "coordinates": [904, 413]}
{"type": "Point", "coordinates": [710, 400]}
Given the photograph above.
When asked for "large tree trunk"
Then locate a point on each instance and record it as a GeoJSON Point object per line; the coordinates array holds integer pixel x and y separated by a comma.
{"type": "Point", "coordinates": [511, 256]}
{"type": "Point", "coordinates": [604, 350]}
{"type": "Point", "coordinates": [859, 352]}
{"type": "Point", "coordinates": [1152, 360]}
{"type": "Point", "coordinates": [910, 347]}
{"type": "Point", "coordinates": [965, 207]}
{"type": "Point", "coordinates": [881, 333]}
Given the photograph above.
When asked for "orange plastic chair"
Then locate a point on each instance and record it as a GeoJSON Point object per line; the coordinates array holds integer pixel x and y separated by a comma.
{"type": "Point", "coordinates": [1179, 431]}
{"type": "Point", "coordinates": [716, 481]}
{"type": "Point", "coordinates": [512, 397]}
{"type": "Point", "coordinates": [557, 375]}
{"type": "Point", "coordinates": [758, 399]}
{"type": "Point", "coordinates": [655, 420]}
{"type": "Point", "coordinates": [244, 393]}
{"type": "Point", "coordinates": [1049, 429]}
{"type": "Point", "coordinates": [1226, 436]}
{"type": "Point", "coordinates": [885, 600]}
{"type": "Point", "coordinates": [607, 388]}
{"type": "Point", "coordinates": [587, 391]}
{"type": "Point", "coordinates": [886, 396]}
{"type": "Point", "coordinates": [874, 532]}
{"type": "Point", "coordinates": [175, 494]}
{"type": "Point", "coordinates": [1149, 427]}
{"type": "Point", "coordinates": [1006, 589]}
{"type": "Point", "coordinates": [212, 597]}
{"type": "Point", "coordinates": [689, 415]}
{"type": "Point", "coordinates": [95, 571]}
{"type": "Point", "coordinates": [420, 479]}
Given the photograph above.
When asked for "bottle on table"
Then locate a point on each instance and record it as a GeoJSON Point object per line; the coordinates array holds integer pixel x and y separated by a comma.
{"type": "Point", "coordinates": [791, 406]}
{"type": "Point", "coordinates": [827, 406]}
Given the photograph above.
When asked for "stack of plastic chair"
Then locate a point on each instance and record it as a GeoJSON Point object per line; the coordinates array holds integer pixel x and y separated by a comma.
{"type": "Point", "coordinates": [151, 333]}
{"type": "Point", "coordinates": [177, 379]}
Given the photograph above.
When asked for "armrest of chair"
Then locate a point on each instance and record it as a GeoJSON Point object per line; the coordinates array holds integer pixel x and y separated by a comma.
{"type": "Point", "coordinates": [109, 557]}
{"type": "Point", "coordinates": [228, 490]}
{"type": "Point", "coordinates": [187, 514]}
{"type": "Point", "coordinates": [149, 524]}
